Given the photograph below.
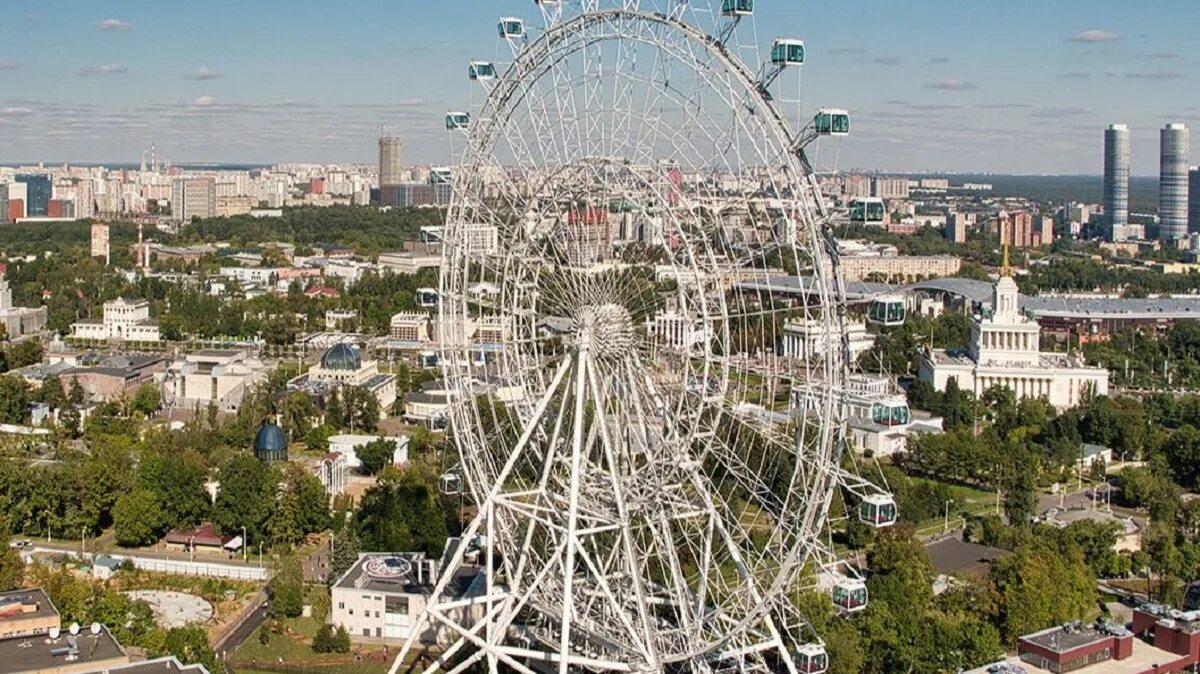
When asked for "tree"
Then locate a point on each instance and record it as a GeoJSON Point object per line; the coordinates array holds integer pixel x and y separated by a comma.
{"type": "Point", "coordinates": [137, 518]}
{"type": "Point", "coordinates": [362, 409]}
{"type": "Point", "coordinates": [14, 400]}
{"type": "Point", "coordinates": [75, 393]}
{"type": "Point", "coordinates": [28, 352]}
{"type": "Point", "coordinates": [146, 399]}
{"type": "Point", "coordinates": [317, 437]}
{"type": "Point", "coordinates": [344, 552]}
{"type": "Point", "coordinates": [404, 514]}
{"type": "Point", "coordinates": [375, 455]}
{"type": "Point", "coordinates": [287, 589]}
{"type": "Point", "coordinates": [324, 640]}
{"type": "Point", "coordinates": [298, 412]}
{"type": "Point", "coordinates": [177, 481]}
{"type": "Point", "coordinates": [958, 406]}
{"type": "Point", "coordinates": [190, 645]}
{"type": "Point", "coordinates": [1041, 587]}
{"type": "Point", "coordinates": [341, 640]}
{"type": "Point", "coordinates": [247, 495]}
{"type": "Point", "coordinates": [1182, 451]}
{"type": "Point", "coordinates": [12, 568]}
{"type": "Point", "coordinates": [335, 411]}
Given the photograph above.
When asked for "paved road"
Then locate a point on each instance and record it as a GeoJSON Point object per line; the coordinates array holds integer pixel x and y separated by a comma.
{"type": "Point", "coordinates": [244, 630]}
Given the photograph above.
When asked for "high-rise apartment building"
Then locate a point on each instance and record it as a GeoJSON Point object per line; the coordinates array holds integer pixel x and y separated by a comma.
{"type": "Point", "coordinates": [38, 191]}
{"type": "Point", "coordinates": [391, 169]}
{"type": "Point", "coordinates": [4, 202]}
{"type": "Point", "coordinates": [1173, 182]}
{"type": "Point", "coordinates": [891, 188]}
{"type": "Point", "coordinates": [193, 198]}
{"type": "Point", "coordinates": [100, 242]}
{"type": "Point", "coordinates": [1116, 182]}
{"type": "Point", "coordinates": [956, 226]}
{"type": "Point", "coordinates": [1194, 199]}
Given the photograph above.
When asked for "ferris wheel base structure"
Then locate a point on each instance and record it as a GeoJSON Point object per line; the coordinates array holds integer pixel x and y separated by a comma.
{"type": "Point", "coordinates": [607, 385]}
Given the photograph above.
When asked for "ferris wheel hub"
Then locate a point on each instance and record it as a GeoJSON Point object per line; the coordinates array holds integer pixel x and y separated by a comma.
{"type": "Point", "coordinates": [605, 330]}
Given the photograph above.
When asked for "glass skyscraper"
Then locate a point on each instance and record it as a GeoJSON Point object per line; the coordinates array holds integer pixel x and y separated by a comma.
{"type": "Point", "coordinates": [37, 195]}
{"type": "Point", "coordinates": [1173, 182]}
{"type": "Point", "coordinates": [1116, 182]}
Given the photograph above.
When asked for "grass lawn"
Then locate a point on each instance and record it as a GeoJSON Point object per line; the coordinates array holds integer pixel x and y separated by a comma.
{"type": "Point", "coordinates": [293, 648]}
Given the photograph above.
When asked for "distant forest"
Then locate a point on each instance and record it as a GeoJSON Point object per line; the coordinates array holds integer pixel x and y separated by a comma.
{"type": "Point", "coordinates": [1143, 191]}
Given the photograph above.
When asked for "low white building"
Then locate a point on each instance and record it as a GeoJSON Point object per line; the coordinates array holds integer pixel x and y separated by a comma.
{"type": "Point", "coordinates": [213, 377]}
{"type": "Point", "coordinates": [806, 338]}
{"type": "Point", "coordinates": [19, 321]}
{"type": "Point", "coordinates": [382, 596]}
{"type": "Point", "coordinates": [1005, 351]}
{"type": "Point", "coordinates": [336, 319]}
{"type": "Point", "coordinates": [249, 275]}
{"type": "Point", "coordinates": [409, 262]}
{"type": "Point", "coordinates": [410, 326]}
{"type": "Point", "coordinates": [331, 470]}
{"type": "Point", "coordinates": [127, 320]}
{"type": "Point", "coordinates": [347, 445]}
{"type": "Point", "coordinates": [428, 406]}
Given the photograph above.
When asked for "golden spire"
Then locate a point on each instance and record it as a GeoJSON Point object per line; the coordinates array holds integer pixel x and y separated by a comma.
{"type": "Point", "coordinates": [1005, 268]}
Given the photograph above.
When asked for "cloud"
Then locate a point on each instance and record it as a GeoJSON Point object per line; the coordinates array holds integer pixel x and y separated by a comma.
{"type": "Point", "coordinates": [937, 60]}
{"type": "Point", "coordinates": [1060, 112]}
{"type": "Point", "coordinates": [896, 102]}
{"type": "Point", "coordinates": [1003, 106]}
{"type": "Point", "coordinates": [204, 101]}
{"type": "Point", "coordinates": [113, 25]}
{"type": "Point", "coordinates": [1074, 76]}
{"type": "Point", "coordinates": [1158, 76]}
{"type": "Point", "coordinates": [951, 84]}
{"type": "Point", "coordinates": [203, 73]}
{"type": "Point", "coordinates": [1160, 55]}
{"type": "Point", "coordinates": [7, 65]}
{"type": "Point", "coordinates": [15, 111]}
{"type": "Point", "coordinates": [106, 69]}
{"type": "Point", "coordinates": [1094, 36]}
{"type": "Point", "coordinates": [936, 107]}
{"type": "Point", "coordinates": [887, 61]}
{"type": "Point", "coordinates": [847, 50]}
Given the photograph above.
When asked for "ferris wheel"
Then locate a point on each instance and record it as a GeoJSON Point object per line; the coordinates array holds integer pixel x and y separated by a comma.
{"type": "Point", "coordinates": [634, 225]}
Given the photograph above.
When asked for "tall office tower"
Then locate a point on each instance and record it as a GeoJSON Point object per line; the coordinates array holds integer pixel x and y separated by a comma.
{"type": "Point", "coordinates": [391, 168]}
{"type": "Point", "coordinates": [37, 201]}
{"type": "Point", "coordinates": [1116, 182]}
{"type": "Point", "coordinates": [1194, 199]}
{"type": "Point", "coordinates": [193, 198]}
{"type": "Point", "coordinates": [4, 202]}
{"type": "Point", "coordinates": [1173, 182]}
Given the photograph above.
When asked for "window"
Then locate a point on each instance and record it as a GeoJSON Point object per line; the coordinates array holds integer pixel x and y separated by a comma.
{"type": "Point", "coordinates": [341, 604]}
{"type": "Point", "coordinates": [366, 631]}
{"type": "Point", "coordinates": [351, 611]}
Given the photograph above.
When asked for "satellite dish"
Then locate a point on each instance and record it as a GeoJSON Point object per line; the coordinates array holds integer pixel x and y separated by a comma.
{"type": "Point", "coordinates": [55, 631]}
{"type": "Point", "coordinates": [95, 628]}
{"type": "Point", "coordinates": [74, 628]}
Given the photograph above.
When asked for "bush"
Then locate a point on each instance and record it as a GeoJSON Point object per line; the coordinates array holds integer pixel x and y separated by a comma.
{"type": "Point", "coordinates": [341, 640]}
{"type": "Point", "coordinates": [324, 641]}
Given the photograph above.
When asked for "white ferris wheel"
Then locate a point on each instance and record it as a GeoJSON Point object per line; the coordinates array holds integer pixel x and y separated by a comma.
{"type": "Point", "coordinates": [653, 481]}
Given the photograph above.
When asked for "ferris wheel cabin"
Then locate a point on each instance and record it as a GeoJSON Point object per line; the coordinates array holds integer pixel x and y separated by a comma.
{"type": "Point", "coordinates": [450, 484]}
{"type": "Point", "coordinates": [737, 7]}
{"type": "Point", "coordinates": [832, 122]}
{"type": "Point", "coordinates": [511, 28]}
{"type": "Point", "coordinates": [877, 510]}
{"type": "Point", "coordinates": [850, 594]}
{"type": "Point", "coordinates": [868, 211]}
{"type": "Point", "coordinates": [787, 52]}
{"type": "Point", "coordinates": [811, 659]}
{"type": "Point", "coordinates": [481, 70]}
{"type": "Point", "coordinates": [427, 297]}
{"type": "Point", "coordinates": [888, 310]}
{"type": "Point", "coordinates": [457, 120]}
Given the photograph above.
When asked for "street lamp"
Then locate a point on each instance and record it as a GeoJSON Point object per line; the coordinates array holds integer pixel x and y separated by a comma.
{"type": "Point", "coordinates": [946, 516]}
{"type": "Point", "coordinates": [244, 553]}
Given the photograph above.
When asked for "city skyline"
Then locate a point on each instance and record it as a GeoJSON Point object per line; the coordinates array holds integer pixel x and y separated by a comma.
{"type": "Point", "coordinates": [928, 90]}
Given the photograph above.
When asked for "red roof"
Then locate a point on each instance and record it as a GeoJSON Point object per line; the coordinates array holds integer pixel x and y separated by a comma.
{"type": "Point", "coordinates": [204, 535]}
{"type": "Point", "coordinates": [326, 291]}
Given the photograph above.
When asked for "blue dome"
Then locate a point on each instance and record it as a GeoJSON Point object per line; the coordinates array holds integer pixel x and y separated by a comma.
{"type": "Point", "coordinates": [270, 444]}
{"type": "Point", "coordinates": [341, 357]}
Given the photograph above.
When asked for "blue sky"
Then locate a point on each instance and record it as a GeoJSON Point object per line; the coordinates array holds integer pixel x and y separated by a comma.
{"type": "Point", "coordinates": [1015, 86]}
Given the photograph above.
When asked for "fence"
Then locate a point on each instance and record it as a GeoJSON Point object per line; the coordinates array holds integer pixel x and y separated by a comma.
{"type": "Point", "coordinates": [180, 567]}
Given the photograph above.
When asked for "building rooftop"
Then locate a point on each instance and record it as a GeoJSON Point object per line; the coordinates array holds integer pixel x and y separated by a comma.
{"type": "Point", "coordinates": [41, 654]}
{"type": "Point", "coordinates": [1144, 659]}
{"type": "Point", "coordinates": [167, 664]}
{"type": "Point", "coordinates": [396, 572]}
{"type": "Point", "coordinates": [21, 605]}
{"type": "Point", "coordinates": [954, 555]}
{"type": "Point", "coordinates": [1068, 637]}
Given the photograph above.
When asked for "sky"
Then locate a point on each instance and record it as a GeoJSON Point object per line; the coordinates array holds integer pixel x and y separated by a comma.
{"type": "Point", "coordinates": [1007, 86]}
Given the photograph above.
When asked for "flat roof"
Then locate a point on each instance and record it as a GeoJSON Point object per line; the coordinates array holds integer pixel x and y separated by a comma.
{"type": "Point", "coordinates": [166, 664]}
{"type": "Point", "coordinates": [1143, 659]}
{"type": "Point", "coordinates": [1061, 639]}
{"type": "Point", "coordinates": [398, 573]}
{"type": "Point", "coordinates": [952, 555]}
{"type": "Point", "coordinates": [13, 603]}
{"type": "Point", "coordinates": [33, 654]}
